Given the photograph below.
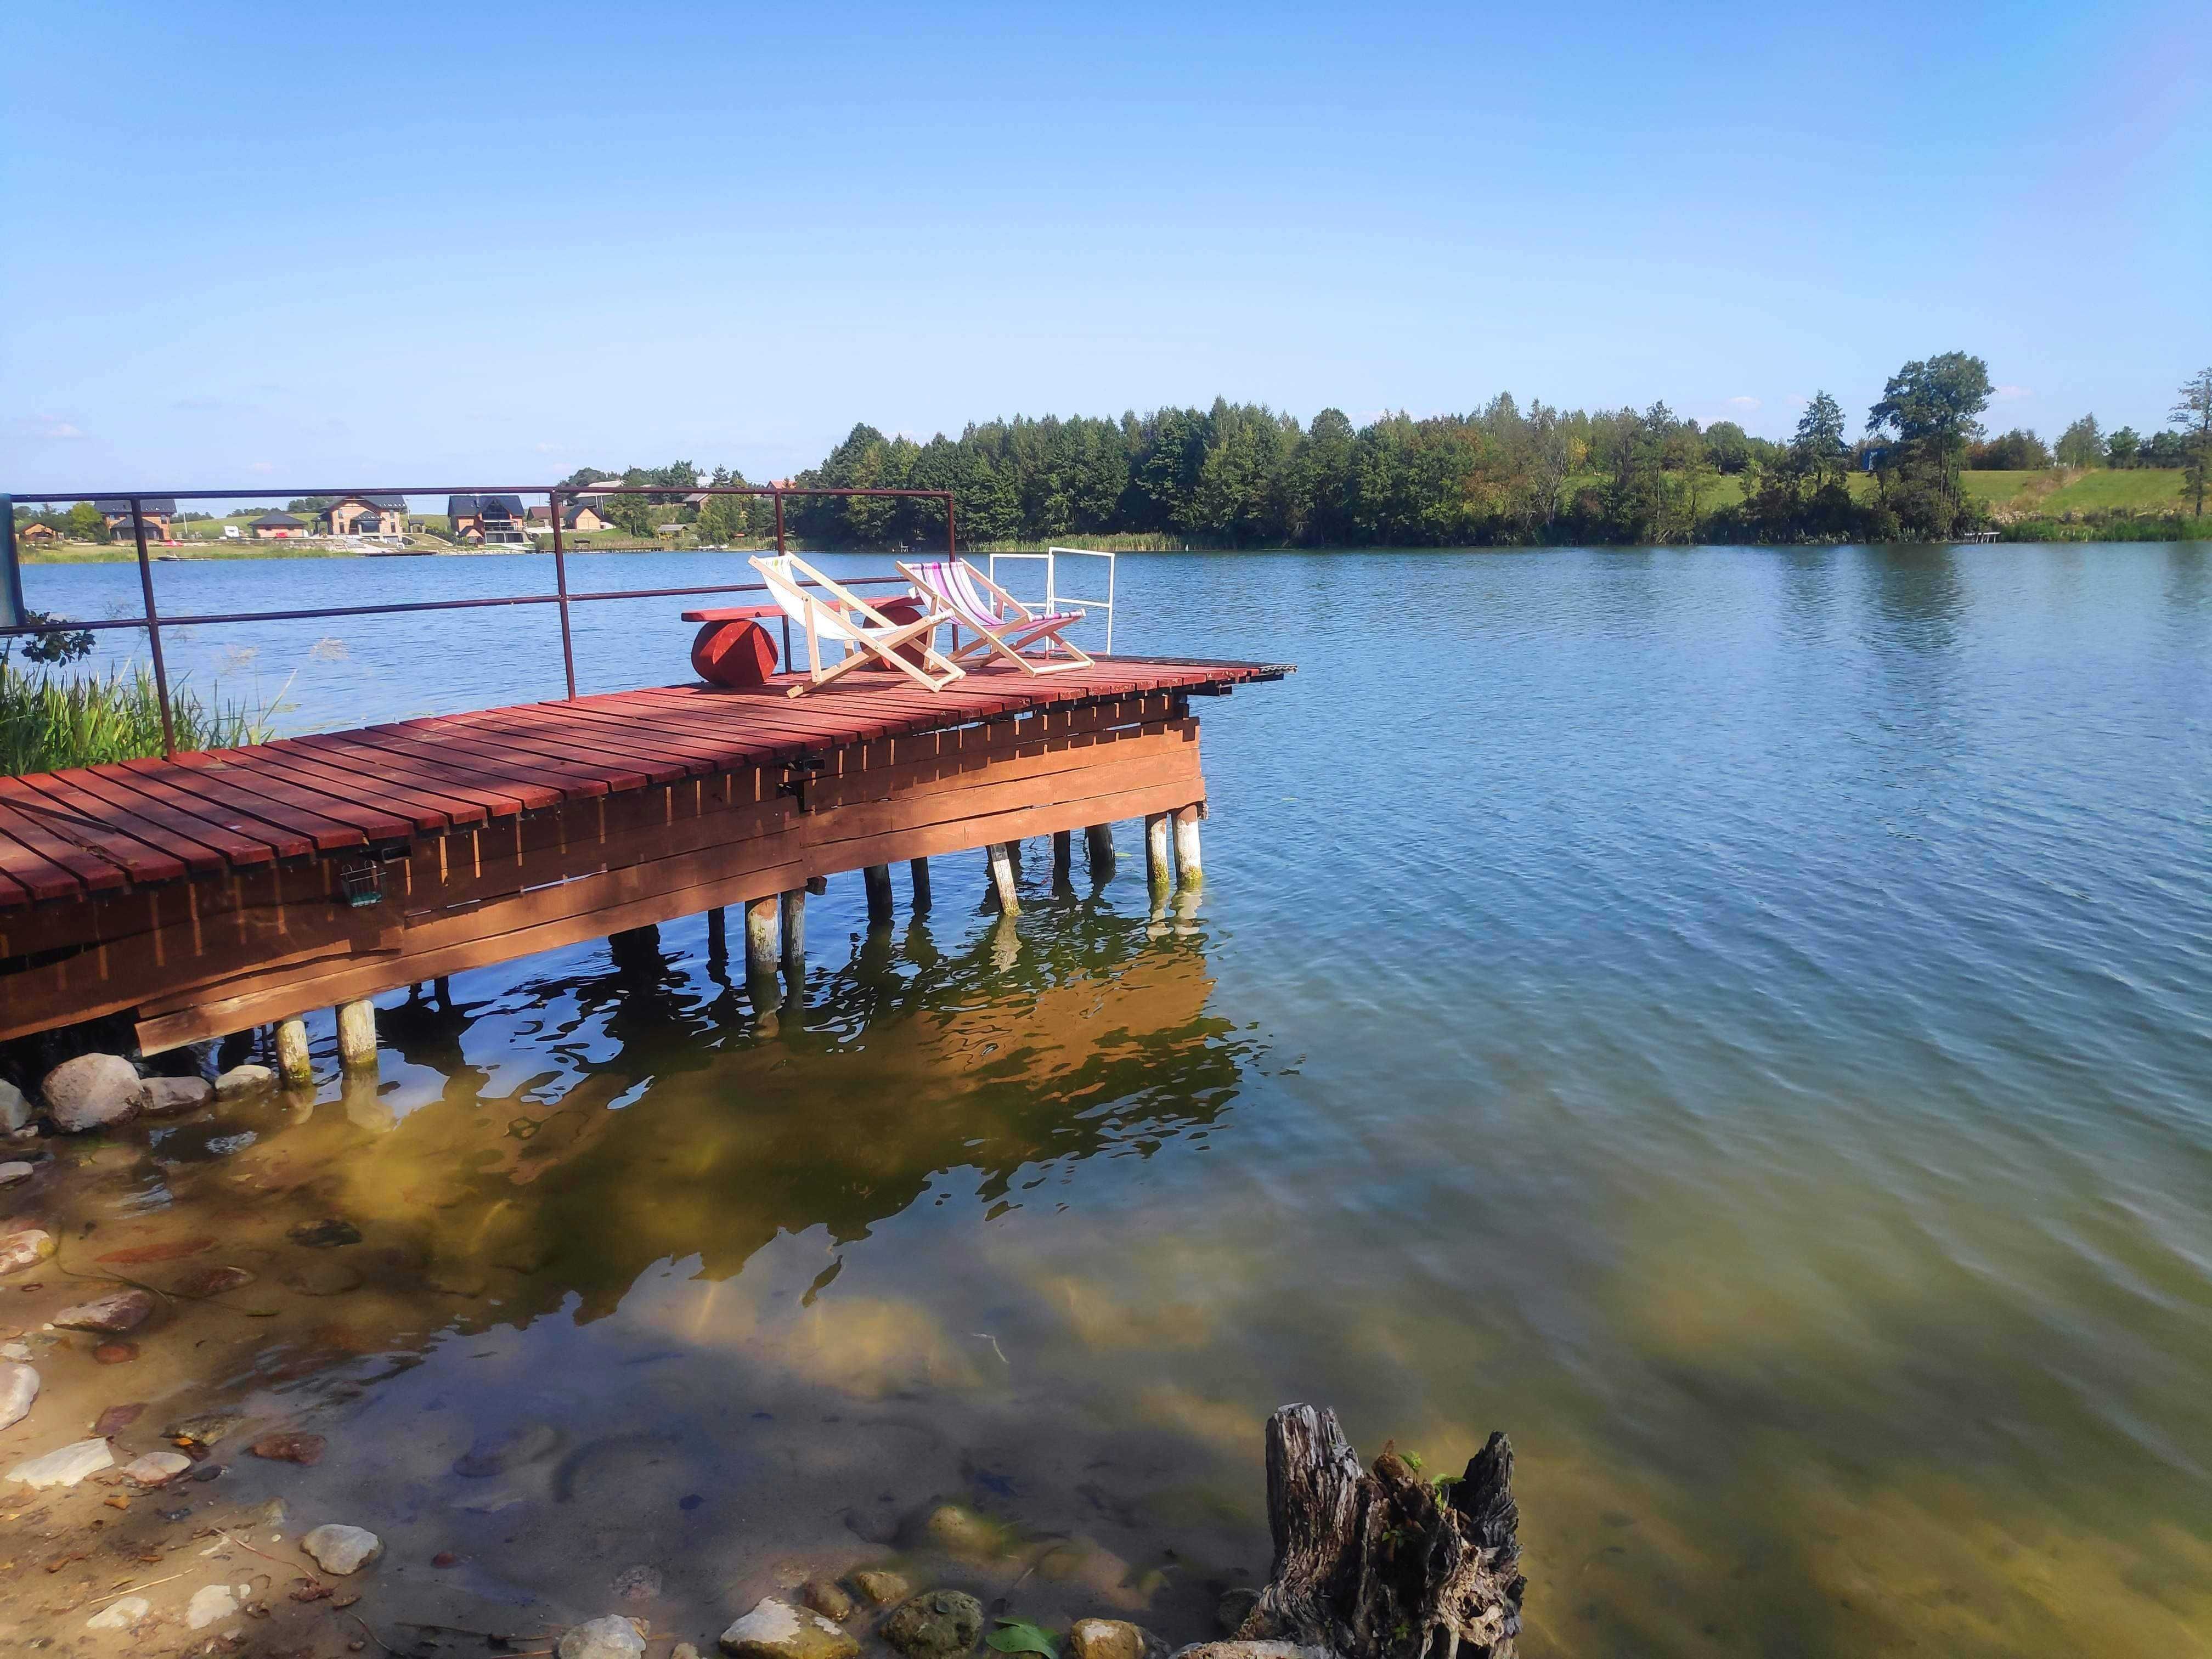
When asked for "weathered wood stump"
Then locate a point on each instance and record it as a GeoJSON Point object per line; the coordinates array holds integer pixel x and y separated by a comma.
{"type": "Point", "coordinates": [1384, 1565]}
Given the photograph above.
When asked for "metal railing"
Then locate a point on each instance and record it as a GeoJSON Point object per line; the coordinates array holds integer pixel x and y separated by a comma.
{"type": "Point", "coordinates": [153, 621]}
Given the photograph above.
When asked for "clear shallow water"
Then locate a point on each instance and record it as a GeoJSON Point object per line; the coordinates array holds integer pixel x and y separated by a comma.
{"type": "Point", "coordinates": [1740, 1020]}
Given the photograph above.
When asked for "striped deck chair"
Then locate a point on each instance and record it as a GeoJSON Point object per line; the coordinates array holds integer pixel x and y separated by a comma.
{"type": "Point", "coordinates": [1003, 625]}
{"type": "Point", "coordinates": [829, 612]}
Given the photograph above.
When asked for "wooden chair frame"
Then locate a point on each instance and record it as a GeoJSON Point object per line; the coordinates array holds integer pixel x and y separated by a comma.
{"type": "Point", "coordinates": [1024, 628]}
{"type": "Point", "coordinates": [865, 632]}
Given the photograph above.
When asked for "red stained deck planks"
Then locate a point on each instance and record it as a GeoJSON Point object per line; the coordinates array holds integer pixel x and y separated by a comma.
{"type": "Point", "coordinates": [65, 834]}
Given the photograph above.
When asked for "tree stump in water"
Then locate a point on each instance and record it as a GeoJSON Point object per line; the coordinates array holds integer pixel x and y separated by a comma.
{"type": "Point", "coordinates": [1384, 1565]}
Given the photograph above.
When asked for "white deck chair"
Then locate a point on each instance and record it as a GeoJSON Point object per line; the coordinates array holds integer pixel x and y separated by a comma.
{"type": "Point", "coordinates": [828, 612]}
{"type": "Point", "coordinates": [1002, 624]}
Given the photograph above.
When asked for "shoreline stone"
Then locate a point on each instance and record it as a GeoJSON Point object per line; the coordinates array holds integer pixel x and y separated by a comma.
{"type": "Point", "coordinates": [107, 1316]}
{"type": "Point", "coordinates": [209, 1602]}
{"type": "Point", "coordinates": [120, 1615]}
{"type": "Point", "coordinates": [157, 1468]}
{"type": "Point", "coordinates": [15, 1110]}
{"type": "Point", "coordinates": [776, 1630]}
{"type": "Point", "coordinates": [610, 1638]}
{"type": "Point", "coordinates": [25, 1247]}
{"type": "Point", "coordinates": [881, 1588]}
{"type": "Point", "coordinates": [935, 1624]}
{"type": "Point", "coordinates": [166, 1096]}
{"type": "Point", "coordinates": [19, 1390]}
{"type": "Point", "coordinates": [64, 1466]}
{"type": "Point", "coordinates": [1113, 1638]}
{"type": "Point", "coordinates": [12, 1173]}
{"type": "Point", "coordinates": [342, 1550]}
{"type": "Point", "coordinates": [92, 1092]}
{"type": "Point", "coordinates": [241, 1080]}
{"type": "Point", "coordinates": [826, 1598]}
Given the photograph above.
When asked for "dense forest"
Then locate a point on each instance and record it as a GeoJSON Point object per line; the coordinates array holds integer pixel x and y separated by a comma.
{"type": "Point", "coordinates": [1243, 475]}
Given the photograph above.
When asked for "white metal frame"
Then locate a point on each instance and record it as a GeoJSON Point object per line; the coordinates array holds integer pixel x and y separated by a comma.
{"type": "Point", "coordinates": [1054, 599]}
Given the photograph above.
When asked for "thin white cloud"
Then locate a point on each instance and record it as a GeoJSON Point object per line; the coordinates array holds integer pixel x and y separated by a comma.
{"type": "Point", "coordinates": [46, 428]}
{"type": "Point", "coordinates": [261, 466]}
{"type": "Point", "coordinates": [2007, 394]}
{"type": "Point", "coordinates": [1743, 402]}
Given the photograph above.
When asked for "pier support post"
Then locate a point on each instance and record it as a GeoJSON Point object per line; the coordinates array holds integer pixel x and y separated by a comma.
{"type": "Point", "coordinates": [1098, 849]}
{"type": "Point", "coordinates": [878, 880]}
{"type": "Point", "coordinates": [292, 1061]}
{"type": "Point", "coordinates": [794, 929]}
{"type": "Point", "coordinates": [760, 938]}
{"type": "Point", "coordinates": [1188, 865]}
{"type": "Point", "coordinates": [1002, 878]}
{"type": "Point", "coordinates": [1160, 869]}
{"type": "Point", "coordinates": [357, 1034]}
{"type": "Point", "coordinates": [919, 869]}
{"type": "Point", "coordinates": [1063, 853]}
{"type": "Point", "coordinates": [718, 938]}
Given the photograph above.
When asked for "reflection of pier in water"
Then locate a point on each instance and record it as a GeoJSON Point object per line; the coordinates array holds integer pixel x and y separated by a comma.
{"type": "Point", "coordinates": [914, 1062]}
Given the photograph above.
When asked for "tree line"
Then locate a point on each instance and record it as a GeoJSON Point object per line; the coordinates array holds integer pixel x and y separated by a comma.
{"type": "Point", "coordinates": [1243, 475]}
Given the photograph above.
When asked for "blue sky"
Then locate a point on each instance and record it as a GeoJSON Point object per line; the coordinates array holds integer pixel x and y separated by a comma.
{"type": "Point", "coordinates": [316, 245]}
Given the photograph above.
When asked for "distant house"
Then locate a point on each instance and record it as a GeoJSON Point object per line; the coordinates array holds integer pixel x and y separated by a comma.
{"type": "Point", "coordinates": [277, 527]}
{"type": "Point", "coordinates": [494, 519]}
{"type": "Point", "coordinates": [42, 533]}
{"type": "Point", "coordinates": [366, 515]}
{"type": "Point", "coordinates": [157, 511]}
{"type": "Point", "coordinates": [580, 516]}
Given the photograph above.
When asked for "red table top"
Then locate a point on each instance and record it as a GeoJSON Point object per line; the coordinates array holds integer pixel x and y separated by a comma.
{"type": "Point", "coordinates": [735, 613]}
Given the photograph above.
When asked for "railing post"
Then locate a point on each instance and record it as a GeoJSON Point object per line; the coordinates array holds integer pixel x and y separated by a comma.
{"type": "Point", "coordinates": [952, 536]}
{"type": "Point", "coordinates": [152, 629]}
{"type": "Point", "coordinates": [560, 585]}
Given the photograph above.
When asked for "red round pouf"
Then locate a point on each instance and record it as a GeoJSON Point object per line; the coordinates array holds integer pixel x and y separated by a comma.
{"type": "Point", "coordinates": [733, 654]}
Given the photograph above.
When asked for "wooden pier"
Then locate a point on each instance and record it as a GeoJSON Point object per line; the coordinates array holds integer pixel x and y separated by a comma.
{"type": "Point", "coordinates": [218, 891]}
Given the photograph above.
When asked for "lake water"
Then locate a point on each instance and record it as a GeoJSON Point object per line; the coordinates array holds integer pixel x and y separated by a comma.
{"type": "Point", "coordinates": [1740, 1020]}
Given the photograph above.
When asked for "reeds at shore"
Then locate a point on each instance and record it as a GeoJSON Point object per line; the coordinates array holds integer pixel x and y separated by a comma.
{"type": "Point", "coordinates": [50, 720]}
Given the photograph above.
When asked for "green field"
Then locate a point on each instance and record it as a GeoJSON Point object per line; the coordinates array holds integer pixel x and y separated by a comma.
{"type": "Point", "coordinates": [2070, 489]}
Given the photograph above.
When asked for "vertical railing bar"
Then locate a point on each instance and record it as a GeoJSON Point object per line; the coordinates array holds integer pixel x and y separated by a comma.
{"type": "Point", "coordinates": [779, 553]}
{"type": "Point", "coordinates": [152, 627]}
{"type": "Point", "coordinates": [560, 586]}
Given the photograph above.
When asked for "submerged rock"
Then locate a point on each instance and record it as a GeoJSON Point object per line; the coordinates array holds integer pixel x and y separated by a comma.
{"type": "Point", "coordinates": [206, 1429]}
{"type": "Point", "coordinates": [1113, 1638]}
{"type": "Point", "coordinates": [25, 1247]}
{"type": "Point", "coordinates": [65, 1466]}
{"type": "Point", "coordinates": [19, 1387]}
{"type": "Point", "coordinates": [496, 1454]}
{"type": "Point", "coordinates": [328, 1234]}
{"type": "Point", "coordinates": [12, 1173]}
{"type": "Point", "coordinates": [959, 1530]}
{"type": "Point", "coordinates": [1234, 1608]}
{"type": "Point", "coordinates": [203, 1283]}
{"type": "Point", "coordinates": [210, 1603]}
{"type": "Point", "coordinates": [638, 1583]}
{"type": "Point", "coordinates": [290, 1447]}
{"type": "Point", "coordinates": [157, 1468]}
{"type": "Point", "coordinates": [241, 1080]}
{"type": "Point", "coordinates": [1252, 1651]}
{"type": "Point", "coordinates": [92, 1092]}
{"type": "Point", "coordinates": [880, 1588]}
{"type": "Point", "coordinates": [120, 1615]}
{"type": "Point", "coordinates": [776, 1630]}
{"type": "Point", "coordinates": [610, 1638]}
{"type": "Point", "coordinates": [115, 1353]}
{"type": "Point", "coordinates": [166, 1096]}
{"type": "Point", "coordinates": [935, 1625]}
{"type": "Point", "coordinates": [826, 1598]}
{"type": "Point", "coordinates": [108, 1315]}
{"type": "Point", "coordinates": [15, 1110]}
{"type": "Point", "coordinates": [342, 1549]}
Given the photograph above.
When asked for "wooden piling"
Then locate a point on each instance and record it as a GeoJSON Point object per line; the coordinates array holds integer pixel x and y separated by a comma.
{"type": "Point", "coordinates": [357, 1034]}
{"type": "Point", "coordinates": [1002, 879]}
{"type": "Point", "coordinates": [1159, 868]}
{"type": "Point", "coordinates": [293, 1063]}
{"type": "Point", "coordinates": [760, 938]}
{"type": "Point", "coordinates": [1098, 849]}
{"type": "Point", "coordinates": [1188, 868]}
{"type": "Point", "coordinates": [718, 939]}
{"type": "Point", "coordinates": [919, 869]}
{"type": "Point", "coordinates": [878, 880]}
{"type": "Point", "coordinates": [1063, 853]}
{"type": "Point", "coordinates": [794, 928]}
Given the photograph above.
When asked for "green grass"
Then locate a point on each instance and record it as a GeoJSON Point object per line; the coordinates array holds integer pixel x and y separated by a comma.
{"type": "Point", "coordinates": [50, 720]}
{"type": "Point", "coordinates": [2073, 489]}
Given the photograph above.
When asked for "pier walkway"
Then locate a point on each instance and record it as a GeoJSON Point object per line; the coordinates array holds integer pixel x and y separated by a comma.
{"type": "Point", "coordinates": [215, 891]}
